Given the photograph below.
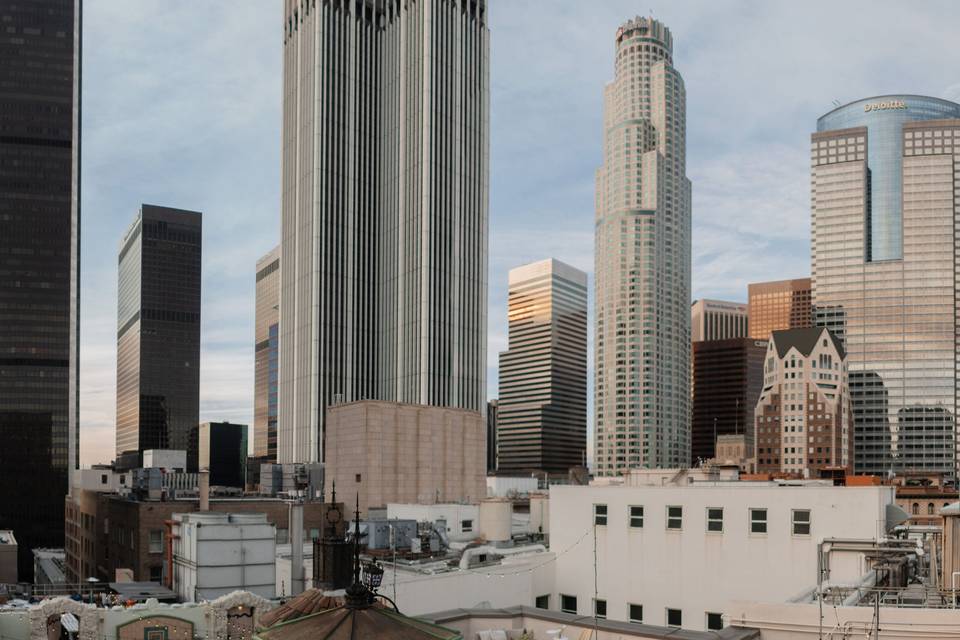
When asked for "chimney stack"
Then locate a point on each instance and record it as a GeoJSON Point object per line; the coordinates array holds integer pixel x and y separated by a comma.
{"type": "Point", "coordinates": [204, 490]}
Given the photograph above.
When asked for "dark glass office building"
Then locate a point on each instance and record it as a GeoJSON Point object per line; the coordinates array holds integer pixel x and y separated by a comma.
{"type": "Point", "coordinates": [726, 380]}
{"type": "Point", "coordinates": [158, 333]}
{"type": "Point", "coordinates": [223, 452]}
{"type": "Point", "coordinates": [39, 267]}
{"type": "Point", "coordinates": [885, 246]}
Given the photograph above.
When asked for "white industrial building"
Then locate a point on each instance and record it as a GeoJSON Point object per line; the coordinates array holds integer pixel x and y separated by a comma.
{"type": "Point", "coordinates": [679, 554]}
{"type": "Point", "coordinates": [458, 521]}
{"type": "Point", "coordinates": [217, 553]}
{"type": "Point", "coordinates": [509, 486]}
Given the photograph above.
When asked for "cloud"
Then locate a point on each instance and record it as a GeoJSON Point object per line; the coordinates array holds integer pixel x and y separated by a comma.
{"type": "Point", "coordinates": [182, 107]}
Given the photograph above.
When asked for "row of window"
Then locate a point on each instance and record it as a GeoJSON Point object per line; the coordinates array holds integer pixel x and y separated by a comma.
{"type": "Point", "coordinates": [799, 518]}
{"type": "Point", "coordinates": [671, 618]}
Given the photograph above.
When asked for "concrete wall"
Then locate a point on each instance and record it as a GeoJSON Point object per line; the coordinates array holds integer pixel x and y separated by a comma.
{"type": "Point", "coordinates": [695, 570]}
{"type": "Point", "coordinates": [516, 581]}
{"type": "Point", "coordinates": [217, 553]}
{"type": "Point", "coordinates": [404, 453]}
{"type": "Point", "coordinates": [802, 621]}
{"type": "Point", "coordinates": [8, 558]}
{"type": "Point", "coordinates": [502, 486]}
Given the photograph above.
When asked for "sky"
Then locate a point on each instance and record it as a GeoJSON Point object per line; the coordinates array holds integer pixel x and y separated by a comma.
{"type": "Point", "coordinates": [181, 107]}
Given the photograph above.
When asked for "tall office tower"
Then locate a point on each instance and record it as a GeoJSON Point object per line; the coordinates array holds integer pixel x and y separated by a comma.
{"type": "Point", "coordinates": [158, 333]}
{"type": "Point", "coordinates": [803, 416]}
{"type": "Point", "coordinates": [384, 209]}
{"type": "Point", "coordinates": [492, 435]}
{"type": "Point", "coordinates": [642, 392]}
{"type": "Point", "coordinates": [717, 320]}
{"type": "Point", "coordinates": [884, 272]}
{"type": "Point", "coordinates": [726, 381]}
{"type": "Point", "coordinates": [39, 268]}
{"type": "Point", "coordinates": [542, 408]}
{"type": "Point", "coordinates": [266, 356]}
{"type": "Point", "coordinates": [779, 305]}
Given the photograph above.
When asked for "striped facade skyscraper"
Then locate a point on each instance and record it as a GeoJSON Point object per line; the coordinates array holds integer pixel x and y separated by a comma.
{"type": "Point", "coordinates": [642, 386]}
{"type": "Point", "coordinates": [385, 178]}
{"type": "Point", "coordinates": [542, 408]}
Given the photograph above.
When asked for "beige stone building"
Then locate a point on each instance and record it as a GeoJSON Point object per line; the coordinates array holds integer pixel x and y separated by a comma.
{"type": "Point", "coordinates": [405, 453]}
{"type": "Point", "coordinates": [642, 260]}
{"type": "Point", "coordinates": [803, 417]}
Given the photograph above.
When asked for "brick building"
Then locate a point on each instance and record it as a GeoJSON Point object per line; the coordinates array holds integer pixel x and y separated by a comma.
{"type": "Point", "coordinates": [130, 533]}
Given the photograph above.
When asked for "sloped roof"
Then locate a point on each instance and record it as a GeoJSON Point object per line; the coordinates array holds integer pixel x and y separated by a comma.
{"type": "Point", "coordinates": [309, 602]}
{"type": "Point", "coordinates": [346, 623]}
{"type": "Point", "coordinates": [804, 340]}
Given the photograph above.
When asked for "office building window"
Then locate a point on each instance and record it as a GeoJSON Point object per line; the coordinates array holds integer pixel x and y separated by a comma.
{"type": "Point", "coordinates": [714, 519]}
{"type": "Point", "coordinates": [674, 517]}
{"type": "Point", "coordinates": [714, 621]}
{"type": "Point", "coordinates": [758, 520]}
{"type": "Point", "coordinates": [801, 522]}
{"type": "Point", "coordinates": [635, 612]}
{"type": "Point", "coordinates": [543, 602]}
{"type": "Point", "coordinates": [466, 526]}
{"type": "Point", "coordinates": [636, 517]}
{"type": "Point", "coordinates": [600, 608]}
{"type": "Point", "coordinates": [568, 604]}
{"type": "Point", "coordinates": [600, 514]}
{"type": "Point", "coordinates": [674, 618]}
{"type": "Point", "coordinates": [156, 540]}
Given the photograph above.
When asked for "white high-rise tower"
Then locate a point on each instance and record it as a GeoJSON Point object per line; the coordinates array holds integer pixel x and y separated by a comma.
{"type": "Point", "coordinates": [385, 179]}
{"type": "Point", "coordinates": [642, 399]}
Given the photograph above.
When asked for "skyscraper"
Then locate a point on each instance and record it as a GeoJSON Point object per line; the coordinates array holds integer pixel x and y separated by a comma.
{"type": "Point", "coordinates": [717, 320]}
{"type": "Point", "coordinates": [803, 416]}
{"type": "Point", "coordinates": [778, 306]}
{"type": "Point", "coordinates": [158, 333]}
{"type": "Point", "coordinates": [266, 356]}
{"type": "Point", "coordinates": [726, 382]}
{"type": "Point", "coordinates": [542, 408]}
{"type": "Point", "coordinates": [39, 267]}
{"type": "Point", "coordinates": [642, 393]}
{"type": "Point", "coordinates": [384, 209]}
{"type": "Point", "coordinates": [884, 272]}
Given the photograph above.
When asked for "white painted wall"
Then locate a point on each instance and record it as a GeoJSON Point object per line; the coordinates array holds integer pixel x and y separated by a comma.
{"type": "Point", "coordinates": [454, 515]}
{"type": "Point", "coordinates": [516, 581]}
{"type": "Point", "coordinates": [503, 486]}
{"type": "Point", "coordinates": [692, 569]}
{"type": "Point", "coordinates": [217, 553]}
{"type": "Point", "coordinates": [802, 621]}
{"type": "Point", "coordinates": [284, 567]}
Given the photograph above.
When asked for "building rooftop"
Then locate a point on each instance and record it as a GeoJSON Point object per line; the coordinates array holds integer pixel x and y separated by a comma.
{"type": "Point", "coordinates": [143, 591]}
{"type": "Point", "coordinates": [470, 622]}
{"type": "Point", "coordinates": [804, 340]}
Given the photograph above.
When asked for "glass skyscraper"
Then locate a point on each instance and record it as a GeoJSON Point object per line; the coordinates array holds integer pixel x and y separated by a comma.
{"type": "Point", "coordinates": [158, 333]}
{"type": "Point", "coordinates": [642, 386]}
{"type": "Point", "coordinates": [266, 356]}
{"type": "Point", "coordinates": [884, 266]}
{"type": "Point", "coordinates": [39, 267]}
